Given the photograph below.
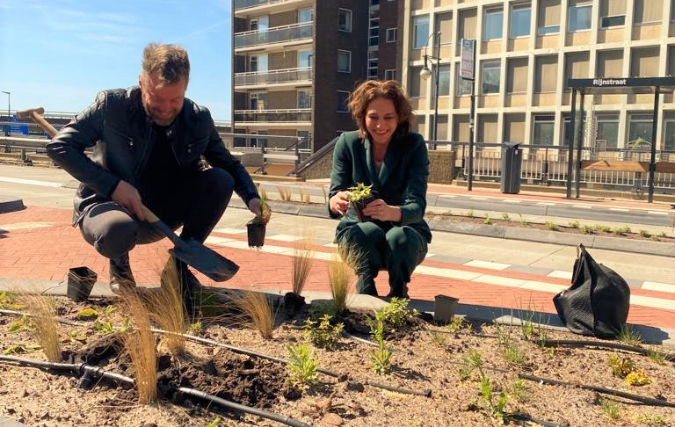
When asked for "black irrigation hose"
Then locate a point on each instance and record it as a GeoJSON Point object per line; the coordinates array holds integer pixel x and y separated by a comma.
{"type": "Point", "coordinates": [425, 393]}
{"type": "Point", "coordinates": [619, 346]}
{"type": "Point", "coordinates": [236, 406]}
{"type": "Point", "coordinates": [90, 371]}
{"type": "Point", "coordinates": [522, 417]}
{"type": "Point", "coordinates": [630, 396]}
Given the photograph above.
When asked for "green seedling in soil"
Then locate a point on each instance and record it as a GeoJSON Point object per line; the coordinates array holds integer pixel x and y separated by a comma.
{"type": "Point", "coordinates": [621, 367]}
{"type": "Point", "coordinates": [360, 191]}
{"type": "Point", "coordinates": [77, 336]}
{"type": "Point", "coordinates": [588, 229]}
{"type": "Point", "coordinates": [87, 314]}
{"type": "Point", "coordinates": [8, 302]}
{"type": "Point", "coordinates": [656, 357]}
{"type": "Point", "coordinates": [456, 324]}
{"type": "Point", "coordinates": [551, 226]}
{"type": "Point", "coordinates": [469, 213]}
{"type": "Point", "coordinates": [396, 314]}
{"type": "Point", "coordinates": [503, 335]}
{"type": "Point", "coordinates": [323, 334]}
{"type": "Point", "coordinates": [496, 408]}
{"type": "Point", "coordinates": [197, 327]}
{"type": "Point", "coordinates": [654, 420]}
{"type": "Point", "coordinates": [505, 217]}
{"type": "Point", "coordinates": [438, 338]}
{"type": "Point", "coordinates": [214, 423]}
{"type": "Point", "coordinates": [520, 391]}
{"type": "Point", "coordinates": [18, 325]}
{"type": "Point", "coordinates": [628, 336]}
{"type": "Point", "coordinates": [381, 357]}
{"type": "Point", "coordinates": [110, 309]}
{"type": "Point", "coordinates": [610, 408]}
{"type": "Point", "coordinates": [621, 231]}
{"type": "Point", "coordinates": [487, 220]}
{"type": "Point", "coordinates": [574, 224]}
{"type": "Point", "coordinates": [646, 234]}
{"type": "Point", "coordinates": [527, 326]}
{"type": "Point", "coordinates": [515, 355]}
{"type": "Point", "coordinates": [21, 349]}
{"type": "Point", "coordinates": [302, 363]}
{"type": "Point", "coordinates": [638, 378]}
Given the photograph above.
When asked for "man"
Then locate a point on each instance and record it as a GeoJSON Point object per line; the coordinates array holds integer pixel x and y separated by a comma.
{"type": "Point", "coordinates": [150, 143]}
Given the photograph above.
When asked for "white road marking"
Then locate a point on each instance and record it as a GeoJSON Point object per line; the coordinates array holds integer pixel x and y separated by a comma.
{"type": "Point", "coordinates": [31, 182]}
{"type": "Point", "coordinates": [25, 226]}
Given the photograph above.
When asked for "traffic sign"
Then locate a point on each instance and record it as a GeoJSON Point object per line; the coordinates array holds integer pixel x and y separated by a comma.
{"type": "Point", "coordinates": [467, 66]}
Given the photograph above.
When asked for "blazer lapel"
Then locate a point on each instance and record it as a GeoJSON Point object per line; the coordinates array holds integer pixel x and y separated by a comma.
{"type": "Point", "coordinates": [390, 160]}
{"type": "Point", "coordinates": [370, 163]}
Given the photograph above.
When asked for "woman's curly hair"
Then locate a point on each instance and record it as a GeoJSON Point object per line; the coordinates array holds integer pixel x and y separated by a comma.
{"type": "Point", "coordinates": [370, 90]}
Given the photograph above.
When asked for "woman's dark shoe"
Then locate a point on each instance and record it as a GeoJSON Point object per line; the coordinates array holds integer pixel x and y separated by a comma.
{"type": "Point", "coordinates": [121, 277]}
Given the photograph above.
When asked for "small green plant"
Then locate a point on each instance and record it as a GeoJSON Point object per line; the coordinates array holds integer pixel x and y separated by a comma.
{"type": "Point", "coordinates": [87, 314]}
{"type": "Point", "coordinates": [21, 349]}
{"type": "Point", "coordinates": [551, 226]}
{"type": "Point", "coordinates": [503, 335]}
{"type": "Point", "coordinates": [396, 313]}
{"type": "Point", "coordinates": [663, 234]}
{"type": "Point", "coordinates": [522, 219]}
{"type": "Point", "coordinates": [645, 234]}
{"type": "Point", "coordinates": [8, 302]}
{"type": "Point", "coordinates": [323, 334]}
{"type": "Point", "coordinates": [381, 356]}
{"type": "Point", "coordinates": [197, 327]}
{"type": "Point", "coordinates": [438, 338]}
{"type": "Point", "coordinates": [214, 423]}
{"type": "Point", "coordinates": [621, 231]}
{"type": "Point", "coordinates": [487, 220]}
{"type": "Point", "coordinates": [303, 364]}
{"type": "Point", "coordinates": [108, 310]}
{"type": "Point", "coordinates": [360, 191]}
{"type": "Point", "coordinates": [22, 324]}
{"type": "Point", "coordinates": [77, 336]}
{"type": "Point", "coordinates": [104, 328]}
{"type": "Point", "coordinates": [520, 391]}
{"type": "Point", "coordinates": [469, 213]}
{"type": "Point", "coordinates": [638, 378]}
{"type": "Point", "coordinates": [653, 420]}
{"type": "Point", "coordinates": [628, 336]}
{"type": "Point", "coordinates": [656, 238]}
{"type": "Point", "coordinates": [505, 216]}
{"type": "Point", "coordinates": [527, 326]}
{"type": "Point", "coordinates": [515, 355]}
{"type": "Point", "coordinates": [474, 361]}
{"type": "Point", "coordinates": [588, 229]}
{"type": "Point", "coordinates": [656, 357]}
{"type": "Point", "coordinates": [621, 367]}
{"type": "Point", "coordinates": [456, 324]}
{"type": "Point", "coordinates": [603, 228]}
{"type": "Point", "coordinates": [610, 408]}
{"type": "Point", "coordinates": [574, 224]}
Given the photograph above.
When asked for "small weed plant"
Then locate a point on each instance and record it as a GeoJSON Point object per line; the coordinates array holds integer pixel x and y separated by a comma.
{"type": "Point", "coordinates": [496, 405]}
{"type": "Point", "coordinates": [323, 334]}
{"type": "Point", "coordinates": [360, 192]}
{"type": "Point", "coordinates": [610, 408]}
{"type": "Point", "coordinates": [653, 420]}
{"type": "Point", "coordinates": [381, 356]}
{"type": "Point", "coordinates": [487, 220]}
{"type": "Point", "coordinates": [8, 301]}
{"type": "Point", "coordinates": [396, 313]}
{"type": "Point", "coordinates": [506, 217]}
{"type": "Point", "coordinates": [520, 391]}
{"type": "Point", "coordinates": [551, 226]}
{"type": "Point", "coordinates": [456, 324]}
{"type": "Point", "coordinates": [646, 234]}
{"type": "Point", "coordinates": [87, 314]}
{"type": "Point", "coordinates": [622, 231]}
{"type": "Point", "coordinates": [469, 213]}
{"type": "Point", "coordinates": [628, 336]}
{"type": "Point", "coordinates": [588, 229]}
{"type": "Point", "coordinates": [656, 357]}
{"type": "Point", "coordinates": [574, 224]}
{"type": "Point", "coordinates": [303, 364]}
{"type": "Point", "coordinates": [625, 368]}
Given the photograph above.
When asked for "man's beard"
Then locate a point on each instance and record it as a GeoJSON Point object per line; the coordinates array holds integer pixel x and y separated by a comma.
{"type": "Point", "coordinates": [157, 120]}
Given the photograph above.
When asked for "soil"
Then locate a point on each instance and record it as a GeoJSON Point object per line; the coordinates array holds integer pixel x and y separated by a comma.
{"type": "Point", "coordinates": [572, 226]}
{"type": "Point", "coordinates": [428, 359]}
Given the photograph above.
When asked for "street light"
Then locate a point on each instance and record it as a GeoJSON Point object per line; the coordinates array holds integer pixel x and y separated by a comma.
{"type": "Point", "coordinates": [426, 73]}
{"type": "Point", "coordinates": [9, 111]}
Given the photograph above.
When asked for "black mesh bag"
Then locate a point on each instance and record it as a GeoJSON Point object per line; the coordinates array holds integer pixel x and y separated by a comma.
{"type": "Point", "coordinates": [598, 301]}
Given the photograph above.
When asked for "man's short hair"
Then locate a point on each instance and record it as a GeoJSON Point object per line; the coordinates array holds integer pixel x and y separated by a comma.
{"type": "Point", "coordinates": [168, 62]}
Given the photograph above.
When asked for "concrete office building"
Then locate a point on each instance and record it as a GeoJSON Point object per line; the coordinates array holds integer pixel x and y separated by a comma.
{"type": "Point", "coordinates": [296, 61]}
{"type": "Point", "coordinates": [525, 52]}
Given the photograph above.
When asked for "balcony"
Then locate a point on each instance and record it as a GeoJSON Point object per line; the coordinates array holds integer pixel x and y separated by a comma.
{"type": "Point", "coordinates": [290, 116]}
{"type": "Point", "coordinates": [244, 7]}
{"type": "Point", "coordinates": [288, 76]}
{"type": "Point", "coordinates": [284, 35]}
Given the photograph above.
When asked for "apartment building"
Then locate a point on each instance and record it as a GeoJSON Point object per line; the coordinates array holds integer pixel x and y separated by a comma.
{"type": "Point", "coordinates": [525, 52]}
{"type": "Point", "coordinates": [295, 63]}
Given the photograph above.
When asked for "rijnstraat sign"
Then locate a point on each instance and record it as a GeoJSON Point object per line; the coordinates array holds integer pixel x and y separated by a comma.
{"type": "Point", "coordinates": [609, 82]}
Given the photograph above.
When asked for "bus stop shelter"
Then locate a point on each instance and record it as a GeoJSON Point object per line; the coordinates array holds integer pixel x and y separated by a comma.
{"type": "Point", "coordinates": [602, 86]}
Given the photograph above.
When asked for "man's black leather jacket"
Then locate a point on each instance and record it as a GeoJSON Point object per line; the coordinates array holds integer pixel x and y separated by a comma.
{"type": "Point", "coordinates": [116, 125]}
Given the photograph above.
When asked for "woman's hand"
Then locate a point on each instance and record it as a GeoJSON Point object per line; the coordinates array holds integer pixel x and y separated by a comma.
{"type": "Point", "coordinates": [339, 203]}
{"type": "Point", "coordinates": [378, 209]}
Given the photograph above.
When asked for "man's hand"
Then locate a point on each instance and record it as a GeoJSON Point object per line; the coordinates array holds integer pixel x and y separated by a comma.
{"type": "Point", "coordinates": [129, 198]}
{"type": "Point", "coordinates": [339, 203]}
{"type": "Point", "coordinates": [380, 210]}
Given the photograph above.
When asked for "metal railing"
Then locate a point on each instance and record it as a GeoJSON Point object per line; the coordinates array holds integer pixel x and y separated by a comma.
{"type": "Point", "coordinates": [245, 4]}
{"type": "Point", "coordinates": [288, 75]}
{"type": "Point", "coordinates": [286, 33]}
{"type": "Point", "coordinates": [294, 115]}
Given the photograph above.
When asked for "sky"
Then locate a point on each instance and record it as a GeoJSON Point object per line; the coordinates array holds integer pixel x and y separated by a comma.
{"type": "Point", "coordinates": [58, 54]}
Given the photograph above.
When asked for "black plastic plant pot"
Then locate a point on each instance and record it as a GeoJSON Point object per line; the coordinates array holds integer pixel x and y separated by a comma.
{"type": "Point", "coordinates": [293, 302]}
{"type": "Point", "coordinates": [81, 280]}
{"type": "Point", "coordinates": [256, 233]}
{"type": "Point", "coordinates": [359, 205]}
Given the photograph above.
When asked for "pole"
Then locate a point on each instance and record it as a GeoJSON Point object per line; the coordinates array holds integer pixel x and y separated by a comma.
{"type": "Point", "coordinates": [472, 113]}
{"type": "Point", "coordinates": [652, 160]}
{"type": "Point", "coordinates": [570, 148]}
{"type": "Point", "coordinates": [436, 78]}
{"type": "Point", "coordinates": [9, 112]}
{"type": "Point", "coordinates": [580, 142]}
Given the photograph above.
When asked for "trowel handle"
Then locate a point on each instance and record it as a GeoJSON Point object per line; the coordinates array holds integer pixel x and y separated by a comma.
{"type": "Point", "coordinates": [149, 216]}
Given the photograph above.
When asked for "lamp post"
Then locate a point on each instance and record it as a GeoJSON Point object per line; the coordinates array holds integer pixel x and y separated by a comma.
{"type": "Point", "coordinates": [9, 111]}
{"type": "Point", "coordinates": [426, 73]}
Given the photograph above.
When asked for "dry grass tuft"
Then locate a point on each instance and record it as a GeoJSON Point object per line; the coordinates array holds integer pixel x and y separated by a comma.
{"type": "Point", "coordinates": [303, 259]}
{"type": "Point", "coordinates": [166, 310]}
{"type": "Point", "coordinates": [304, 195]}
{"type": "Point", "coordinates": [339, 278]}
{"type": "Point", "coordinates": [284, 193]}
{"type": "Point", "coordinates": [325, 194]}
{"type": "Point", "coordinates": [44, 328]}
{"type": "Point", "coordinates": [140, 344]}
{"type": "Point", "coordinates": [258, 308]}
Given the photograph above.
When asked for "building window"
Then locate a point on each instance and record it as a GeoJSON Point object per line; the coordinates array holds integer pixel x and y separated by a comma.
{"type": "Point", "coordinates": [669, 136]}
{"type": "Point", "coordinates": [640, 131]}
{"type": "Point", "coordinates": [374, 31]}
{"type": "Point", "coordinates": [607, 135]}
{"type": "Point", "coordinates": [372, 64]}
{"type": "Point", "coordinates": [305, 15]}
{"type": "Point", "coordinates": [391, 35]}
{"type": "Point", "coordinates": [520, 21]}
{"type": "Point", "coordinates": [644, 62]}
{"type": "Point", "coordinates": [342, 101]}
{"type": "Point", "coordinates": [344, 61]}
{"type": "Point", "coordinates": [612, 13]}
{"type": "Point", "coordinates": [258, 100]}
{"type": "Point", "coordinates": [416, 89]}
{"type": "Point", "coordinates": [516, 75]}
{"type": "Point", "coordinates": [444, 26]}
{"type": "Point", "coordinates": [576, 66]}
{"type": "Point", "coordinates": [304, 59]}
{"type": "Point", "coordinates": [494, 22]}
{"type": "Point", "coordinates": [345, 20]}
{"type": "Point", "coordinates": [490, 77]}
{"type": "Point", "coordinates": [580, 16]}
{"type": "Point", "coordinates": [546, 76]}
{"type": "Point", "coordinates": [549, 17]}
{"type": "Point", "coordinates": [543, 130]}
{"type": "Point", "coordinates": [463, 85]}
{"type": "Point", "coordinates": [304, 98]}
{"type": "Point", "coordinates": [305, 139]}
{"type": "Point", "coordinates": [443, 80]}
{"type": "Point", "coordinates": [420, 31]}
{"type": "Point", "coordinates": [647, 11]}
{"type": "Point", "coordinates": [390, 74]}
{"type": "Point", "coordinates": [610, 63]}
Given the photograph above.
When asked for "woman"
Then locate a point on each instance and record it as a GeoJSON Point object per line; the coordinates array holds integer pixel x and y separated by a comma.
{"type": "Point", "coordinates": [385, 154]}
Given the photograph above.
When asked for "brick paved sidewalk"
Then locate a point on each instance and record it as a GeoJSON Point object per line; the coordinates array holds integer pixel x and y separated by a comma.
{"type": "Point", "coordinates": [39, 244]}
